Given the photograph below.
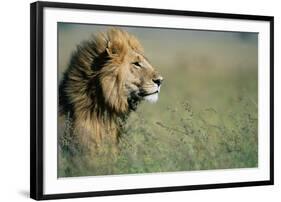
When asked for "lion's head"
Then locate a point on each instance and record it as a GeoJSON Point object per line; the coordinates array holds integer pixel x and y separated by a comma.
{"type": "Point", "coordinates": [107, 77]}
{"type": "Point", "coordinates": [127, 77]}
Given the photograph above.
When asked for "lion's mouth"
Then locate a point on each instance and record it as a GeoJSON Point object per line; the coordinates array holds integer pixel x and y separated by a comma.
{"type": "Point", "coordinates": [135, 98]}
{"type": "Point", "coordinates": [147, 94]}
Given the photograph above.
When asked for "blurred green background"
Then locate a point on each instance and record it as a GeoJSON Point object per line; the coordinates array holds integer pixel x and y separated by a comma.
{"type": "Point", "coordinates": [207, 113]}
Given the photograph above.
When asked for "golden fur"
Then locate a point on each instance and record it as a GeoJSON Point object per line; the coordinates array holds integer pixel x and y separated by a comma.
{"type": "Point", "coordinates": [107, 77]}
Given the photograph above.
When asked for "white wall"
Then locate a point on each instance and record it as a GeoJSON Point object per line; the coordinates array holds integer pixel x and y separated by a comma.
{"type": "Point", "coordinates": [14, 99]}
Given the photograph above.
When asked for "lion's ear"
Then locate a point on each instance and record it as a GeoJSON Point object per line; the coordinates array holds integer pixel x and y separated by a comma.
{"type": "Point", "coordinates": [108, 48]}
{"type": "Point", "coordinates": [115, 48]}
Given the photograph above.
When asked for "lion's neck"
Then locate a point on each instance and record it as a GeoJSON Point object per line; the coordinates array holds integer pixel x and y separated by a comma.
{"type": "Point", "coordinates": [98, 124]}
{"type": "Point", "coordinates": [94, 121]}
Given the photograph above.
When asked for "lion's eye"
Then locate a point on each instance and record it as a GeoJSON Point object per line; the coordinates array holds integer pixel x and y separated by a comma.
{"type": "Point", "coordinates": [137, 64]}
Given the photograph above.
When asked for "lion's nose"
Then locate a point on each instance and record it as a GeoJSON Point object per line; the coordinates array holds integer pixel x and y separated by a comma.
{"type": "Point", "coordinates": [158, 80]}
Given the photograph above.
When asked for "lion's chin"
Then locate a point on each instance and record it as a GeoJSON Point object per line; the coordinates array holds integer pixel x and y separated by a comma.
{"type": "Point", "coordinates": [151, 98]}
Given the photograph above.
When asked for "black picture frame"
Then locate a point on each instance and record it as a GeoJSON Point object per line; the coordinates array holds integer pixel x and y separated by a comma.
{"type": "Point", "coordinates": [36, 98]}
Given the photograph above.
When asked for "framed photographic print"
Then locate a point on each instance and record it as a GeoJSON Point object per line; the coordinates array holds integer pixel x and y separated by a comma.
{"type": "Point", "coordinates": [100, 125]}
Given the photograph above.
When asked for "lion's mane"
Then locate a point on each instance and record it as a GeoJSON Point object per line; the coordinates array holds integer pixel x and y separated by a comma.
{"type": "Point", "coordinates": [90, 93]}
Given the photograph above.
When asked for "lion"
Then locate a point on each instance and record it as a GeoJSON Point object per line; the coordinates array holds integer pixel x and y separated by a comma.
{"type": "Point", "coordinates": [106, 79]}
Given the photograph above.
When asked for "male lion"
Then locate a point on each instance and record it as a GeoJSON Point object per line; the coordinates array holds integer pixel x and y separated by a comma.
{"type": "Point", "coordinates": [107, 77]}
